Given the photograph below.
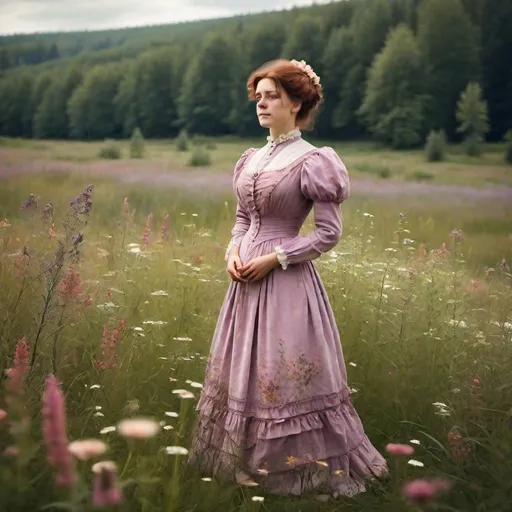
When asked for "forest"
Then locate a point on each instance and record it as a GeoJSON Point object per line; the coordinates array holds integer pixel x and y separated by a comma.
{"type": "Point", "coordinates": [391, 70]}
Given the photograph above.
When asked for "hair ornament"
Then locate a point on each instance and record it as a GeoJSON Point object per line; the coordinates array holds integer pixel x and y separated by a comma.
{"type": "Point", "coordinates": [306, 68]}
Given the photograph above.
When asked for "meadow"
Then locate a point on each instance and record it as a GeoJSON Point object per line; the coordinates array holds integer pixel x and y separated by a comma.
{"type": "Point", "coordinates": [117, 295]}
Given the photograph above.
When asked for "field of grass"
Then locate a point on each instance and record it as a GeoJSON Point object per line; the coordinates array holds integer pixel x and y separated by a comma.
{"type": "Point", "coordinates": [426, 329]}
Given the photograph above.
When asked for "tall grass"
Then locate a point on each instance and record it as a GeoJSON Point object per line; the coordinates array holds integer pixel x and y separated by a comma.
{"type": "Point", "coordinates": [426, 341]}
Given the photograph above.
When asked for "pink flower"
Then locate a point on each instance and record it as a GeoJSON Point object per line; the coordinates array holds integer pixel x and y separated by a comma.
{"type": "Point", "coordinates": [54, 432]}
{"type": "Point", "coordinates": [87, 448]}
{"type": "Point", "coordinates": [3, 414]}
{"type": "Point", "coordinates": [16, 375]}
{"type": "Point", "coordinates": [138, 428]}
{"type": "Point", "coordinates": [399, 449]}
{"type": "Point", "coordinates": [422, 490]}
{"type": "Point", "coordinates": [11, 451]}
{"type": "Point", "coordinates": [105, 488]}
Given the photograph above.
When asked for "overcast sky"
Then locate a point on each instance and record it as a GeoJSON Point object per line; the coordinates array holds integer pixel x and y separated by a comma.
{"type": "Point", "coordinates": [26, 16]}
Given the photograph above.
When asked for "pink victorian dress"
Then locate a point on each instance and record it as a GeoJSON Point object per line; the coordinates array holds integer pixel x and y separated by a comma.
{"type": "Point", "coordinates": [275, 406]}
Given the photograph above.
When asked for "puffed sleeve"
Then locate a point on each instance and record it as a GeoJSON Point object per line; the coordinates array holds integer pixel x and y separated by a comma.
{"type": "Point", "coordinates": [325, 181]}
{"type": "Point", "coordinates": [243, 221]}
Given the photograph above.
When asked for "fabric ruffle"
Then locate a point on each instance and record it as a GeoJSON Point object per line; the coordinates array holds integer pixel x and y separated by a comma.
{"type": "Point", "coordinates": [322, 449]}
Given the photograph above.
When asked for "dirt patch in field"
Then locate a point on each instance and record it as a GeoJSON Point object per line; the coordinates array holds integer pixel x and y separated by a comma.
{"type": "Point", "coordinates": [14, 163]}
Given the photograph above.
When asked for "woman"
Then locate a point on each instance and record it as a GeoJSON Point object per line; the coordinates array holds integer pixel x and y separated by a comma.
{"type": "Point", "coordinates": [275, 404]}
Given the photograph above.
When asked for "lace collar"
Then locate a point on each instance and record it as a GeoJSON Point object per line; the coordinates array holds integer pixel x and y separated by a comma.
{"type": "Point", "coordinates": [295, 133]}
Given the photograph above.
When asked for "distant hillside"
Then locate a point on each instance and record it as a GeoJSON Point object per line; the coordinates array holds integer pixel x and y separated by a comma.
{"type": "Point", "coordinates": [105, 45]}
{"type": "Point", "coordinates": [394, 70]}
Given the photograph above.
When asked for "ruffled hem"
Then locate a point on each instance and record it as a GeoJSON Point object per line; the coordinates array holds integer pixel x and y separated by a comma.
{"type": "Point", "coordinates": [323, 449]}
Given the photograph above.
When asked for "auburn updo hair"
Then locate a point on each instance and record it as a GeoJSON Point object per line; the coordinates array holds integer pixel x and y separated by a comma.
{"type": "Point", "coordinates": [297, 84]}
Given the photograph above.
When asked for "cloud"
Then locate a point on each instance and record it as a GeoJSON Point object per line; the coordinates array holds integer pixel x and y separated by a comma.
{"type": "Point", "coordinates": [18, 16]}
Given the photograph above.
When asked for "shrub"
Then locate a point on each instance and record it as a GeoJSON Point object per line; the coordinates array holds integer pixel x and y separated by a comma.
{"type": "Point", "coordinates": [421, 176]}
{"type": "Point", "coordinates": [182, 141]}
{"type": "Point", "coordinates": [200, 157]}
{"type": "Point", "coordinates": [110, 151]}
{"type": "Point", "coordinates": [137, 146]}
{"type": "Point", "coordinates": [435, 148]}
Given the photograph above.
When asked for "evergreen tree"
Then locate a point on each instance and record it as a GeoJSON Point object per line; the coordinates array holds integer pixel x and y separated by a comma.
{"type": "Point", "coordinates": [448, 42]}
{"type": "Point", "coordinates": [51, 119]}
{"type": "Point", "coordinates": [472, 118]}
{"type": "Point", "coordinates": [338, 60]}
{"type": "Point", "coordinates": [207, 99]}
{"type": "Point", "coordinates": [91, 109]}
{"type": "Point", "coordinates": [265, 43]}
{"type": "Point", "coordinates": [369, 27]}
{"type": "Point", "coordinates": [393, 105]}
{"type": "Point", "coordinates": [306, 41]}
{"type": "Point", "coordinates": [496, 31]}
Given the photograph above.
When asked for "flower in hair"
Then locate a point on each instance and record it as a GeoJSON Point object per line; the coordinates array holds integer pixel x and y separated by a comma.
{"type": "Point", "coordinates": [306, 68]}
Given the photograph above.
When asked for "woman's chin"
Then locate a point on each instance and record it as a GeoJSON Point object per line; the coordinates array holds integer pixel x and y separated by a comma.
{"type": "Point", "coordinates": [264, 122]}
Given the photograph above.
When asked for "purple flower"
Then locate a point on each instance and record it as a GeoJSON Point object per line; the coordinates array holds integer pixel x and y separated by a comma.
{"type": "Point", "coordinates": [105, 486]}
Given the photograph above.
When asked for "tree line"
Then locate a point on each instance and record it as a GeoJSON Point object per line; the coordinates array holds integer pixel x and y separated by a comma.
{"type": "Point", "coordinates": [394, 70]}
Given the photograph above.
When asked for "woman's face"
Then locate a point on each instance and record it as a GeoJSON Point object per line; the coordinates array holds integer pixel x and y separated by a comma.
{"type": "Point", "coordinates": [274, 107]}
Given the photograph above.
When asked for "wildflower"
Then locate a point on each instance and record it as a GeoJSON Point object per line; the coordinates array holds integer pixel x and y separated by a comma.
{"type": "Point", "coordinates": [11, 451]}
{"type": "Point", "coordinates": [95, 386]}
{"type": "Point", "coordinates": [147, 232]}
{"type": "Point", "coordinates": [460, 447]}
{"type": "Point", "coordinates": [414, 441]}
{"type": "Point", "coordinates": [138, 428]}
{"type": "Point", "coordinates": [422, 491]}
{"type": "Point", "coordinates": [206, 479]}
{"type": "Point", "coordinates": [31, 202]}
{"type": "Point", "coordinates": [105, 487]}
{"type": "Point", "coordinates": [109, 343]}
{"type": "Point", "coordinates": [416, 463]}
{"type": "Point", "coordinates": [107, 430]}
{"type": "Point", "coordinates": [290, 460]}
{"type": "Point", "coordinates": [48, 212]}
{"type": "Point", "coordinates": [176, 450]}
{"type": "Point", "coordinates": [3, 414]}
{"type": "Point", "coordinates": [54, 432]}
{"type": "Point", "coordinates": [16, 375]}
{"type": "Point", "coordinates": [258, 498]}
{"type": "Point", "coordinates": [82, 204]}
{"type": "Point", "coordinates": [457, 234]}
{"type": "Point", "coordinates": [87, 448]}
{"type": "Point", "coordinates": [165, 228]}
{"type": "Point", "coordinates": [71, 285]}
{"type": "Point", "coordinates": [160, 293]}
{"type": "Point", "coordinates": [196, 384]}
{"type": "Point", "coordinates": [399, 449]}
{"type": "Point", "coordinates": [172, 414]}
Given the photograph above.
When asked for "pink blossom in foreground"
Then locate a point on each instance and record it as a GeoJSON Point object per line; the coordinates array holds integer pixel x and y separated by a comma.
{"type": "Point", "coordinates": [54, 432]}
{"type": "Point", "coordinates": [3, 414]}
{"type": "Point", "coordinates": [138, 428]}
{"type": "Point", "coordinates": [424, 490]}
{"type": "Point", "coordinates": [86, 449]}
{"type": "Point", "coordinates": [399, 449]}
{"type": "Point", "coordinates": [105, 486]}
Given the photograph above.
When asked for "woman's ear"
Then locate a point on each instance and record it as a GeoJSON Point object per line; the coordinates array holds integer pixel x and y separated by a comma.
{"type": "Point", "coordinates": [296, 107]}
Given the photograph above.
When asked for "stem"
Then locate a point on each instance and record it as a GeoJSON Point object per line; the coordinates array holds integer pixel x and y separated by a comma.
{"type": "Point", "coordinates": [55, 339]}
{"type": "Point", "coordinates": [46, 308]}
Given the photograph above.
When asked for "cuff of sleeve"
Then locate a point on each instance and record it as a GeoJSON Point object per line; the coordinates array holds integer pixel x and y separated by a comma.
{"type": "Point", "coordinates": [282, 258]}
{"type": "Point", "coordinates": [228, 250]}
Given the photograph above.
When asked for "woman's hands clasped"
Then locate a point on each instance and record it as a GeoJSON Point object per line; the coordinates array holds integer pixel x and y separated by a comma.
{"type": "Point", "coordinates": [253, 270]}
